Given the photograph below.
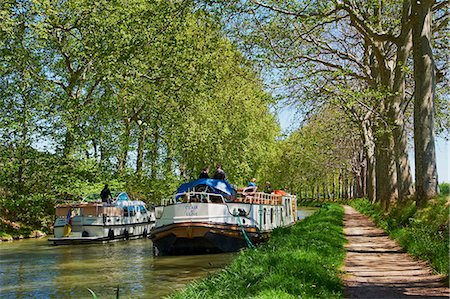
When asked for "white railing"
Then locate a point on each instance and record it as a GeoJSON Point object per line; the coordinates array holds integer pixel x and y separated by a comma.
{"type": "Point", "coordinates": [244, 197]}
{"type": "Point", "coordinates": [193, 197]}
{"type": "Point", "coordinates": [260, 198]}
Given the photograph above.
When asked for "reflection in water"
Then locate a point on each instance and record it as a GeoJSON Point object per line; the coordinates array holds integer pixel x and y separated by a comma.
{"type": "Point", "coordinates": [304, 212]}
{"type": "Point", "coordinates": [35, 269]}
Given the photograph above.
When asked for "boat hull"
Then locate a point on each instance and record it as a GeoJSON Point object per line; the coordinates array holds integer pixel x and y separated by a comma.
{"type": "Point", "coordinates": [197, 223]}
{"type": "Point", "coordinates": [89, 234]}
{"type": "Point", "coordinates": [200, 238]}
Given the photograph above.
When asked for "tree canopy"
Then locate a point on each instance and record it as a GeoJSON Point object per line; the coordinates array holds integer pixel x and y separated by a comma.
{"type": "Point", "coordinates": [142, 93]}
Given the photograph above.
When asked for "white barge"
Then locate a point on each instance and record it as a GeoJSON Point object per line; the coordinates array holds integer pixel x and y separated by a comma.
{"type": "Point", "coordinates": [208, 216]}
{"type": "Point", "coordinates": [96, 222]}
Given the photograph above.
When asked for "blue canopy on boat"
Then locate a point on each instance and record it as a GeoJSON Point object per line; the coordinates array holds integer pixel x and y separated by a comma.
{"type": "Point", "coordinates": [216, 186]}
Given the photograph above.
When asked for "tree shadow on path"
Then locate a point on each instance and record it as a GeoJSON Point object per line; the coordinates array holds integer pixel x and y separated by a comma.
{"type": "Point", "coordinates": [377, 267]}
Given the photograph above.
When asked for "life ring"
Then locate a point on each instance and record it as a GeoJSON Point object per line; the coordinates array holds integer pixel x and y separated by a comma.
{"type": "Point", "coordinates": [126, 234]}
{"type": "Point", "coordinates": [145, 233]}
{"type": "Point", "coordinates": [67, 229]}
{"type": "Point", "coordinates": [111, 234]}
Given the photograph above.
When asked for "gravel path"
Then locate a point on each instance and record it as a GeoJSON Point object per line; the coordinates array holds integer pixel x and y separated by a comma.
{"type": "Point", "coordinates": [377, 267]}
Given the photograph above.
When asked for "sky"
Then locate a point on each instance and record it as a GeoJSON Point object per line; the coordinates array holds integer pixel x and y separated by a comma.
{"type": "Point", "coordinates": [289, 121]}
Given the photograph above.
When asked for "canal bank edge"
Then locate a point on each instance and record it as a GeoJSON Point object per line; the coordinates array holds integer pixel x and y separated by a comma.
{"type": "Point", "coordinates": [14, 231]}
{"type": "Point", "coordinates": [303, 260]}
{"type": "Point", "coordinates": [36, 234]}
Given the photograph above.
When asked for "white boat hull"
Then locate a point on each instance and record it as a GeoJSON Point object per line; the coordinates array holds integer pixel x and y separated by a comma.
{"type": "Point", "coordinates": [97, 223]}
{"type": "Point", "coordinates": [100, 233]}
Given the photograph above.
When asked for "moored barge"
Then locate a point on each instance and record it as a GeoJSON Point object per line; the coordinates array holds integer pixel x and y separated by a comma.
{"type": "Point", "coordinates": [209, 216]}
{"type": "Point", "coordinates": [96, 222]}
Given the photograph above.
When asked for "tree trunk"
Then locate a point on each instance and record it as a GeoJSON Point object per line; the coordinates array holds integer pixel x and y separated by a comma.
{"type": "Point", "coordinates": [399, 104]}
{"type": "Point", "coordinates": [339, 186]}
{"type": "Point", "coordinates": [104, 153]}
{"type": "Point", "coordinates": [386, 169]}
{"type": "Point", "coordinates": [344, 186]}
{"type": "Point", "coordinates": [95, 147]}
{"type": "Point", "coordinates": [140, 149]}
{"type": "Point", "coordinates": [22, 148]}
{"type": "Point", "coordinates": [318, 191]}
{"type": "Point", "coordinates": [69, 143]}
{"type": "Point", "coordinates": [168, 165]}
{"type": "Point", "coordinates": [362, 192]}
{"type": "Point", "coordinates": [404, 178]}
{"type": "Point", "coordinates": [154, 154]}
{"type": "Point", "coordinates": [424, 77]}
{"type": "Point", "coordinates": [124, 144]}
{"type": "Point", "coordinates": [333, 188]}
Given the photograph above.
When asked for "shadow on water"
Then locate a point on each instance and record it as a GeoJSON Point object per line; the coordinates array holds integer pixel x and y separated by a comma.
{"type": "Point", "coordinates": [35, 269]}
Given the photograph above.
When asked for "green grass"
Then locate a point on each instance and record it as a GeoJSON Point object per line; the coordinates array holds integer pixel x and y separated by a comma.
{"type": "Point", "coordinates": [424, 233]}
{"type": "Point", "coordinates": [300, 261]}
{"type": "Point", "coordinates": [5, 235]}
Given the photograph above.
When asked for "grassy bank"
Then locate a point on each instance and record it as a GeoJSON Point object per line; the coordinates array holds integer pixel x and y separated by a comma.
{"type": "Point", "coordinates": [22, 216]}
{"type": "Point", "coordinates": [424, 233]}
{"type": "Point", "coordinates": [300, 261]}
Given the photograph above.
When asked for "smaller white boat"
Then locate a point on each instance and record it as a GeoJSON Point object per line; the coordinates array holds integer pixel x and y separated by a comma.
{"type": "Point", "coordinates": [97, 222]}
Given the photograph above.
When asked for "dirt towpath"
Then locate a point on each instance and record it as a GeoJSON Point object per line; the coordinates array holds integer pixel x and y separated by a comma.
{"type": "Point", "coordinates": [377, 267]}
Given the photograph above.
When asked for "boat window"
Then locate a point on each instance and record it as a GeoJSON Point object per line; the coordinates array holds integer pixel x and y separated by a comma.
{"type": "Point", "coordinates": [125, 211]}
{"type": "Point", "coordinates": [290, 207]}
{"type": "Point", "coordinates": [271, 215]}
{"type": "Point", "coordinates": [143, 209]}
{"type": "Point", "coordinates": [265, 215]}
{"type": "Point", "coordinates": [132, 211]}
{"type": "Point", "coordinates": [123, 196]}
{"type": "Point", "coordinates": [287, 207]}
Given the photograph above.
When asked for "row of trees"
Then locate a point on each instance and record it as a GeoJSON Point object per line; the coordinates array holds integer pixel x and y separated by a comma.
{"type": "Point", "coordinates": [377, 62]}
{"type": "Point", "coordinates": [149, 92]}
{"type": "Point", "coordinates": [138, 93]}
{"type": "Point", "coordinates": [323, 159]}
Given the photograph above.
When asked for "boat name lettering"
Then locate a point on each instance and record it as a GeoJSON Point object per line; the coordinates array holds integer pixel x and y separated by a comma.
{"type": "Point", "coordinates": [191, 210]}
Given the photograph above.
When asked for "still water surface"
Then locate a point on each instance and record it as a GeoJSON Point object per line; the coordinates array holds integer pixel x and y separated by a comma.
{"type": "Point", "coordinates": [34, 269]}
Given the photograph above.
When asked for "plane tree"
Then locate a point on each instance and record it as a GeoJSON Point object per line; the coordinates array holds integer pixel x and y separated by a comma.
{"type": "Point", "coordinates": [327, 47]}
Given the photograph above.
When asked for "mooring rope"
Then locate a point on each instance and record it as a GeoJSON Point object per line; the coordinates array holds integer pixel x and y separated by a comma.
{"type": "Point", "coordinates": [246, 238]}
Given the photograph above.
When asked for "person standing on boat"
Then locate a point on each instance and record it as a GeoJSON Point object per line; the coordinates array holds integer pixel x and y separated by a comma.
{"type": "Point", "coordinates": [219, 174]}
{"type": "Point", "coordinates": [252, 183]}
{"type": "Point", "coordinates": [267, 188]}
{"type": "Point", "coordinates": [205, 173]}
{"type": "Point", "coordinates": [106, 194]}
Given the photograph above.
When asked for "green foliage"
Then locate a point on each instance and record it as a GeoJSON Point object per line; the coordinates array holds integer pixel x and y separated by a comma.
{"type": "Point", "coordinates": [444, 189]}
{"type": "Point", "coordinates": [137, 94]}
{"type": "Point", "coordinates": [29, 211]}
{"type": "Point", "coordinates": [422, 232]}
{"type": "Point", "coordinates": [300, 261]}
{"type": "Point", "coordinates": [317, 154]}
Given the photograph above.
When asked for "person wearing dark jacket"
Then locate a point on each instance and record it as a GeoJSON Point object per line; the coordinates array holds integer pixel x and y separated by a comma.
{"type": "Point", "coordinates": [219, 174]}
{"type": "Point", "coordinates": [267, 188]}
{"type": "Point", "coordinates": [204, 174]}
{"type": "Point", "coordinates": [106, 194]}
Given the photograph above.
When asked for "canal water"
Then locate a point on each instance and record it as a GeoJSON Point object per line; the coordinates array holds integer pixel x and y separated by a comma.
{"type": "Point", "coordinates": [34, 269]}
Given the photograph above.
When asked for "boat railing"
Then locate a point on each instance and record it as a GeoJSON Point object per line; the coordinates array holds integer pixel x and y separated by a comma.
{"type": "Point", "coordinates": [250, 198]}
{"type": "Point", "coordinates": [89, 210]}
{"type": "Point", "coordinates": [260, 198]}
{"type": "Point", "coordinates": [193, 196]}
